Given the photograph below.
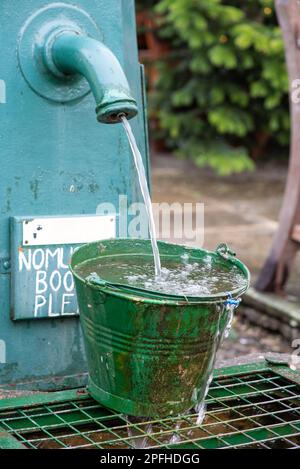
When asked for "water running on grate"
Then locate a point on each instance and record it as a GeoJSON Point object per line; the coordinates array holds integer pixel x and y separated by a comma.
{"type": "Point", "coordinates": [220, 336]}
{"type": "Point", "coordinates": [137, 441]}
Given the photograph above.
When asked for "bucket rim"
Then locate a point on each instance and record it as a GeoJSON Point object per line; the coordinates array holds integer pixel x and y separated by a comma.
{"type": "Point", "coordinates": [154, 297]}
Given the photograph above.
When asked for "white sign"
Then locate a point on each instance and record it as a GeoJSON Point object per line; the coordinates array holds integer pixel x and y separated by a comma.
{"type": "Point", "coordinates": [48, 231]}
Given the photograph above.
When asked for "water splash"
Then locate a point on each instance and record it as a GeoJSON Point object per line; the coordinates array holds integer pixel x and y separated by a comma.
{"type": "Point", "coordinates": [145, 192]}
{"type": "Point", "coordinates": [200, 408]}
{"type": "Point", "coordinates": [175, 437]}
{"type": "Point", "coordinates": [138, 439]}
{"type": "Point", "coordinates": [230, 310]}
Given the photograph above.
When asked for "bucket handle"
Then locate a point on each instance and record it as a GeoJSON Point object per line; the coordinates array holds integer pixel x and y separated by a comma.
{"type": "Point", "coordinates": [94, 279]}
{"type": "Point", "coordinates": [224, 251]}
{"type": "Point", "coordinates": [234, 302]}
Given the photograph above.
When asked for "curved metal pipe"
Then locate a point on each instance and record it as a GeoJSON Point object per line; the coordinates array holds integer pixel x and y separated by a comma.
{"type": "Point", "coordinates": [75, 53]}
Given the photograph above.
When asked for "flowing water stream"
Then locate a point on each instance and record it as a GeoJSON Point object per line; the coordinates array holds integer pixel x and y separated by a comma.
{"type": "Point", "coordinates": [138, 161]}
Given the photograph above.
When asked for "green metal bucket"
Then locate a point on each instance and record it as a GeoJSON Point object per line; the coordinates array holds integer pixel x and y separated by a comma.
{"type": "Point", "coordinates": [150, 354]}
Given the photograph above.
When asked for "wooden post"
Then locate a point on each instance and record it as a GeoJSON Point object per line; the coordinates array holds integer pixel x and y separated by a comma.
{"type": "Point", "coordinates": [287, 239]}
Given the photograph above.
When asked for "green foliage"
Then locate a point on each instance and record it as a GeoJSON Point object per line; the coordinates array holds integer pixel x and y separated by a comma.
{"type": "Point", "coordinates": [221, 157]}
{"type": "Point", "coordinates": [224, 80]}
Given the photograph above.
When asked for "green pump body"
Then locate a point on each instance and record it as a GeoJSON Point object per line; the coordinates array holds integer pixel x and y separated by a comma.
{"type": "Point", "coordinates": [62, 172]}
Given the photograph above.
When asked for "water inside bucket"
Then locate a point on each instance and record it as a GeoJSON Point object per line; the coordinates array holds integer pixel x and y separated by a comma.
{"type": "Point", "coordinates": [188, 277]}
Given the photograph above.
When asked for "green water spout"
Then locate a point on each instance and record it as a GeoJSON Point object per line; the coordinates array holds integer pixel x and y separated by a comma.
{"type": "Point", "coordinates": [74, 53]}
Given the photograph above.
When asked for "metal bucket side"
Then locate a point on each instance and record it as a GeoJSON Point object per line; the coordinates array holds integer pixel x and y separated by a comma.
{"type": "Point", "coordinates": [146, 357]}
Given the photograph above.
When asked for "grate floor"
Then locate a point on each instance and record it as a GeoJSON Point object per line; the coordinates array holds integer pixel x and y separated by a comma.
{"type": "Point", "coordinates": [252, 410]}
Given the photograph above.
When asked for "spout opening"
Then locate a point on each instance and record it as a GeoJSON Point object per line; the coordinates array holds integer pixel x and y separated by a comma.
{"type": "Point", "coordinates": [113, 113]}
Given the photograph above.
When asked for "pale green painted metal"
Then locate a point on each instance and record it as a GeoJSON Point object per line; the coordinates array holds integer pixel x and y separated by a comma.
{"type": "Point", "coordinates": [56, 159]}
{"type": "Point", "coordinates": [76, 53]}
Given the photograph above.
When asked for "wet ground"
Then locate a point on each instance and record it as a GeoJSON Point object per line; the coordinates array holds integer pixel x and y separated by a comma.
{"type": "Point", "coordinates": [241, 210]}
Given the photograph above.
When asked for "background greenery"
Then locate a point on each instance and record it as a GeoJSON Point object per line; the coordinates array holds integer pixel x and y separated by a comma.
{"type": "Point", "coordinates": [221, 97]}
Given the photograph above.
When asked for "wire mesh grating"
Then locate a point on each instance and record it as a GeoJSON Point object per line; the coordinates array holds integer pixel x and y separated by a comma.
{"type": "Point", "coordinates": [253, 410]}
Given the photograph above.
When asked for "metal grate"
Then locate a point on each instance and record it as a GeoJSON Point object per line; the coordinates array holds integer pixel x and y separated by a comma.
{"type": "Point", "coordinates": [254, 409]}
